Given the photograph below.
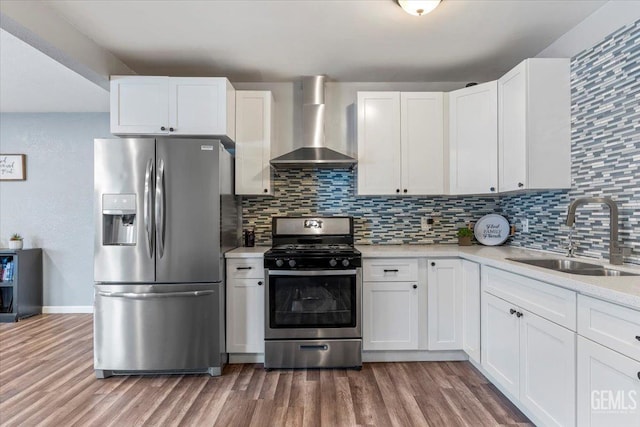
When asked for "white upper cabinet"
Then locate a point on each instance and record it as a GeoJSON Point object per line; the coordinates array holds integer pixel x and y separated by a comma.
{"type": "Point", "coordinates": [534, 142]}
{"type": "Point", "coordinates": [422, 143]}
{"type": "Point", "coordinates": [202, 106]}
{"type": "Point", "coordinates": [473, 140]}
{"type": "Point", "coordinates": [400, 143]}
{"type": "Point", "coordinates": [379, 143]}
{"type": "Point", "coordinates": [143, 105]}
{"type": "Point", "coordinates": [254, 134]}
{"type": "Point", "coordinates": [139, 105]}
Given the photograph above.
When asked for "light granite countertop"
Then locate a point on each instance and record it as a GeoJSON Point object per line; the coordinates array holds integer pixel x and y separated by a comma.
{"type": "Point", "coordinates": [252, 252]}
{"type": "Point", "coordinates": [619, 289]}
{"type": "Point", "coordinates": [623, 290]}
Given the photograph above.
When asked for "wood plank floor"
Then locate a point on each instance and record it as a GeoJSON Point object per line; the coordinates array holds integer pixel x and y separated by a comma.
{"type": "Point", "coordinates": [47, 379]}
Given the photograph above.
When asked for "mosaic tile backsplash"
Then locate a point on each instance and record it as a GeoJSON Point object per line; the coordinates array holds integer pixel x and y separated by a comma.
{"type": "Point", "coordinates": [605, 151]}
{"type": "Point", "coordinates": [605, 86]}
{"type": "Point", "coordinates": [377, 220]}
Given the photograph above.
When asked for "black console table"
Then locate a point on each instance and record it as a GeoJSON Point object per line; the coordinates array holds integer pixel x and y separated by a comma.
{"type": "Point", "coordinates": [20, 283]}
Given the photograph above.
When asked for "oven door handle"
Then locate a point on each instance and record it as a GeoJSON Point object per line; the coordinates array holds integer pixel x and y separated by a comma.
{"type": "Point", "coordinates": [311, 272]}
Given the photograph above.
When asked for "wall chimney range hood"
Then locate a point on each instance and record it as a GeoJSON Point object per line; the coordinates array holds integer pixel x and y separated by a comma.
{"type": "Point", "coordinates": [312, 152]}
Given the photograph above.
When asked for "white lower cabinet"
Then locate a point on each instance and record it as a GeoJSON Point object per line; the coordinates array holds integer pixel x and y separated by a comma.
{"type": "Point", "coordinates": [391, 304]}
{"type": "Point", "coordinates": [531, 358]}
{"type": "Point", "coordinates": [245, 306]}
{"type": "Point", "coordinates": [608, 364]}
{"type": "Point", "coordinates": [500, 342]}
{"type": "Point", "coordinates": [390, 316]}
{"type": "Point", "coordinates": [444, 304]}
{"type": "Point", "coordinates": [608, 387]}
{"type": "Point", "coordinates": [547, 370]}
{"type": "Point", "coordinates": [470, 276]}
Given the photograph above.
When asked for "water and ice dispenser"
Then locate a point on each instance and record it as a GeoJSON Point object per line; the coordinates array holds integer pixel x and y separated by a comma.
{"type": "Point", "coordinates": [119, 222]}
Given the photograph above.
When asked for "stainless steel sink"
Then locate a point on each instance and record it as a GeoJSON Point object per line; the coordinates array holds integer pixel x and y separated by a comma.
{"type": "Point", "coordinates": [572, 266]}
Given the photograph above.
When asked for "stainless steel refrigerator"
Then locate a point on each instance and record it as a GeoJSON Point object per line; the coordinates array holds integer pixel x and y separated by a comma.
{"type": "Point", "coordinates": [164, 215]}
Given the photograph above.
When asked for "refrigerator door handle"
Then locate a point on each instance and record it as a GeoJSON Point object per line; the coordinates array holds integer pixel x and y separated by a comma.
{"type": "Point", "coordinates": [148, 295]}
{"type": "Point", "coordinates": [160, 208]}
{"type": "Point", "coordinates": [148, 197]}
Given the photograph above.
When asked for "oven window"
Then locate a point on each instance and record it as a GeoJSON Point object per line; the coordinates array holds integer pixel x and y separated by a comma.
{"type": "Point", "coordinates": [312, 301]}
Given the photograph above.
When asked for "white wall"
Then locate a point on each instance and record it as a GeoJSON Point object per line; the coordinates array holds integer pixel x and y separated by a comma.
{"type": "Point", "coordinates": [611, 16]}
{"type": "Point", "coordinates": [53, 208]}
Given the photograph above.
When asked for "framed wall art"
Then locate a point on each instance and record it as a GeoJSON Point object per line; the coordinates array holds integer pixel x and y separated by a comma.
{"type": "Point", "coordinates": [13, 167]}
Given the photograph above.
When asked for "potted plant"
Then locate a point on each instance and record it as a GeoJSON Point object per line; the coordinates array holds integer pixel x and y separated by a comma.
{"type": "Point", "coordinates": [464, 236]}
{"type": "Point", "coordinates": [15, 241]}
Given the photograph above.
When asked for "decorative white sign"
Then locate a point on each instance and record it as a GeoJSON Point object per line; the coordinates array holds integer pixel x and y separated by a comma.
{"type": "Point", "coordinates": [491, 230]}
{"type": "Point", "coordinates": [12, 167]}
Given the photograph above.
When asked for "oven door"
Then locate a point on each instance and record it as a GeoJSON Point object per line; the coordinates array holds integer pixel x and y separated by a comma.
{"type": "Point", "coordinates": [308, 304]}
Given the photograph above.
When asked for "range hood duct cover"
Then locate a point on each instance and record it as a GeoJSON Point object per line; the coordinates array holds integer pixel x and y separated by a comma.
{"type": "Point", "coordinates": [313, 152]}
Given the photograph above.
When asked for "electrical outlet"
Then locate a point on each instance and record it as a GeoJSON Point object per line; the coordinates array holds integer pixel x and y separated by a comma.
{"type": "Point", "coordinates": [426, 223]}
{"type": "Point", "coordinates": [524, 225]}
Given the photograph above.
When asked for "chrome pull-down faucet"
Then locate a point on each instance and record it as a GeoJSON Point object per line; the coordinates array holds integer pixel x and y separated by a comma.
{"type": "Point", "coordinates": [616, 252]}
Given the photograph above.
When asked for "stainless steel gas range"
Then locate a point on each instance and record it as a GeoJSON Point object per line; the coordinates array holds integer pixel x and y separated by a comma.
{"type": "Point", "coordinates": [313, 302]}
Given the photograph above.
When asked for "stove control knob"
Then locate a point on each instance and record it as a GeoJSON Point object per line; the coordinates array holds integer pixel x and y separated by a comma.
{"type": "Point", "coordinates": [292, 263]}
{"type": "Point", "coordinates": [333, 262]}
{"type": "Point", "coordinates": [279, 262]}
{"type": "Point", "coordinates": [345, 262]}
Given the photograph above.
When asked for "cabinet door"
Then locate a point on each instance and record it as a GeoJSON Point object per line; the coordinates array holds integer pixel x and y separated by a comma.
{"type": "Point", "coordinates": [422, 143]}
{"type": "Point", "coordinates": [444, 305]}
{"type": "Point", "coordinates": [245, 316]}
{"type": "Point", "coordinates": [198, 105]}
{"type": "Point", "coordinates": [500, 342]}
{"type": "Point", "coordinates": [512, 134]}
{"type": "Point", "coordinates": [608, 387]}
{"type": "Point", "coordinates": [547, 370]}
{"type": "Point", "coordinates": [473, 139]}
{"type": "Point", "coordinates": [471, 309]}
{"type": "Point", "coordinates": [390, 316]}
{"type": "Point", "coordinates": [378, 143]}
{"type": "Point", "coordinates": [253, 142]}
{"type": "Point", "coordinates": [139, 105]}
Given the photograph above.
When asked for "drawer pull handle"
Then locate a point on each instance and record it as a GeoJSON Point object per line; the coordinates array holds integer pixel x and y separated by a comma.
{"type": "Point", "coordinates": [323, 347]}
{"type": "Point", "coordinates": [519, 314]}
{"type": "Point", "coordinates": [512, 311]}
{"type": "Point", "coordinates": [244, 268]}
{"type": "Point", "coordinates": [391, 271]}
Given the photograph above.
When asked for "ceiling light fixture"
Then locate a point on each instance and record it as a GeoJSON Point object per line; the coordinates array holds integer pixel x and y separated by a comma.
{"type": "Point", "coordinates": [418, 7]}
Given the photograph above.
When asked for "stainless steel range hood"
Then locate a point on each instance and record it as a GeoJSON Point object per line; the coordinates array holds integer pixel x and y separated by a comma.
{"type": "Point", "coordinates": [312, 152]}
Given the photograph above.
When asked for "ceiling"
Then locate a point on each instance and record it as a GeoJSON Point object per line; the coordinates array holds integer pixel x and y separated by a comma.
{"type": "Point", "coordinates": [281, 40]}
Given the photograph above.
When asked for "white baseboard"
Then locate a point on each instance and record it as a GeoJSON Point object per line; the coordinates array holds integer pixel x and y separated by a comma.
{"type": "Point", "coordinates": [67, 309]}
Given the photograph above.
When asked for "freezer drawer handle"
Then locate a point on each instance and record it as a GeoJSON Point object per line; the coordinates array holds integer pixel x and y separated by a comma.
{"type": "Point", "coordinates": [148, 178]}
{"type": "Point", "coordinates": [321, 347]}
{"type": "Point", "coordinates": [244, 268]}
{"type": "Point", "coordinates": [149, 295]}
{"type": "Point", "coordinates": [160, 208]}
{"type": "Point", "coordinates": [393, 270]}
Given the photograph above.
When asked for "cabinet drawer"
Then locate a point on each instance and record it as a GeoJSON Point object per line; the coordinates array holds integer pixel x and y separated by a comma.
{"type": "Point", "coordinates": [390, 270]}
{"type": "Point", "coordinates": [245, 268]}
{"type": "Point", "coordinates": [545, 300]}
{"type": "Point", "coordinates": [611, 325]}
